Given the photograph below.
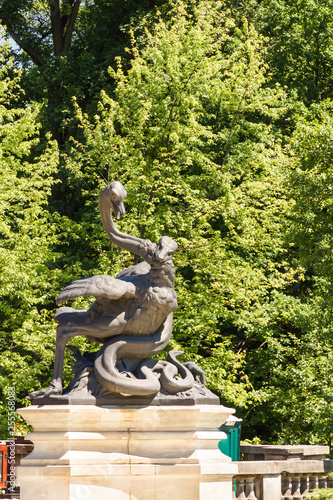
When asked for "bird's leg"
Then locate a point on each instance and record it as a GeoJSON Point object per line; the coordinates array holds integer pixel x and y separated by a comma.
{"type": "Point", "coordinates": [105, 327]}
{"type": "Point", "coordinates": [55, 387]}
{"type": "Point", "coordinates": [63, 337]}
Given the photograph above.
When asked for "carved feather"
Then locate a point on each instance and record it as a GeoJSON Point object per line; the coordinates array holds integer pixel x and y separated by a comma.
{"type": "Point", "coordinates": [101, 287]}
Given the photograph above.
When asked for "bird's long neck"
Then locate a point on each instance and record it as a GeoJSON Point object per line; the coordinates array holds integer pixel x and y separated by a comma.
{"type": "Point", "coordinates": [123, 240]}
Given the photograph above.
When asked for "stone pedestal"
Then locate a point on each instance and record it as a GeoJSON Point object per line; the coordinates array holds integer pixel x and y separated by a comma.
{"type": "Point", "coordinates": [126, 453]}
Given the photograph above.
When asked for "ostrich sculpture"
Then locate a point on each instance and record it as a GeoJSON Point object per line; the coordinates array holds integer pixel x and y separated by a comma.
{"type": "Point", "coordinates": [131, 316]}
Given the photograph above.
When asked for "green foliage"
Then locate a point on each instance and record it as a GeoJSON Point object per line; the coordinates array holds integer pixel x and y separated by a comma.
{"type": "Point", "coordinates": [295, 346]}
{"type": "Point", "coordinates": [312, 184]}
{"type": "Point", "coordinates": [290, 404]}
{"type": "Point", "coordinates": [299, 42]}
{"type": "Point", "coordinates": [65, 48]}
{"type": "Point", "coordinates": [213, 125]}
{"type": "Point", "coordinates": [320, 494]}
{"type": "Point", "coordinates": [26, 244]}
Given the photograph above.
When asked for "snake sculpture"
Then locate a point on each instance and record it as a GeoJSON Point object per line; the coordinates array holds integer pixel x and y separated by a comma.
{"type": "Point", "coordinates": [131, 316]}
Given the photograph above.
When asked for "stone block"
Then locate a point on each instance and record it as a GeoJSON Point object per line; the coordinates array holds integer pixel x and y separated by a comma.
{"type": "Point", "coordinates": [126, 453]}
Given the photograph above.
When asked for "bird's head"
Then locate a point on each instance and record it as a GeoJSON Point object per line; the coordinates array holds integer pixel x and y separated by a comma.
{"type": "Point", "coordinates": [157, 254]}
{"type": "Point", "coordinates": [117, 194]}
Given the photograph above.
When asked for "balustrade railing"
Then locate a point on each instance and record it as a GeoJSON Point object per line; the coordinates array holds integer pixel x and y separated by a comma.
{"type": "Point", "coordinates": [293, 487]}
{"type": "Point", "coordinates": [286, 479]}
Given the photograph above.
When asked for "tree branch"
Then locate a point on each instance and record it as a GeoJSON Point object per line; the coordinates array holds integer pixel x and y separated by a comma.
{"type": "Point", "coordinates": [69, 27]}
{"type": "Point", "coordinates": [56, 27]}
{"type": "Point", "coordinates": [34, 54]}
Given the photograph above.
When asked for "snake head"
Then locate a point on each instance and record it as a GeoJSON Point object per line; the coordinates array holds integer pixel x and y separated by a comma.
{"type": "Point", "coordinates": [117, 194]}
{"type": "Point", "coordinates": [165, 249]}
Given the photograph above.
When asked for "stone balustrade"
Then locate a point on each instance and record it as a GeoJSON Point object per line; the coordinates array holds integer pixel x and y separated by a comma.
{"type": "Point", "coordinates": [291, 478]}
{"type": "Point", "coordinates": [268, 452]}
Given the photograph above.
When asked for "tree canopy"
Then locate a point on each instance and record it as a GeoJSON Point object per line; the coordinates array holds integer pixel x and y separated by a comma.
{"type": "Point", "coordinates": [217, 119]}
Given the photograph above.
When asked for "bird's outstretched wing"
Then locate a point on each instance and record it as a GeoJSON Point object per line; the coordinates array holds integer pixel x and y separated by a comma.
{"type": "Point", "coordinates": [101, 287]}
{"type": "Point", "coordinates": [138, 269]}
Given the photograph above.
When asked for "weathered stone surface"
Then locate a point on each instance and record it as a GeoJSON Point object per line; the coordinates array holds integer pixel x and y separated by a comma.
{"type": "Point", "coordinates": [127, 453]}
{"type": "Point", "coordinates": [285, 452]}
{"type": "Point", "coordinates": [271, 467]}
{"type": "Point", "coordinates": [199, 394]}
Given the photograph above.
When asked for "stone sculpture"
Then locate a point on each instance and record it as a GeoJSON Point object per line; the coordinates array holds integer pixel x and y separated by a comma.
{"type": "Point", "coordinates": [132, 317]}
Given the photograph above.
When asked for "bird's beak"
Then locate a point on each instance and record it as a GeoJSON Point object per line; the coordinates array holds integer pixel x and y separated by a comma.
{"type": "Point", "coordinates": [118, 209]}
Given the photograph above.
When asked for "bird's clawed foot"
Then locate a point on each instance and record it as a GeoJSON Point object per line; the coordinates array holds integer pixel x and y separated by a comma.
{"type": "Point", "coordinates": [55, 388]}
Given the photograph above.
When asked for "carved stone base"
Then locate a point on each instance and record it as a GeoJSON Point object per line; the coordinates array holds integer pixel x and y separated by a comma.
{"type": "Point", "coordinates": [198, 395]}
{"type": "Point", "coordinates": [126, 453]}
